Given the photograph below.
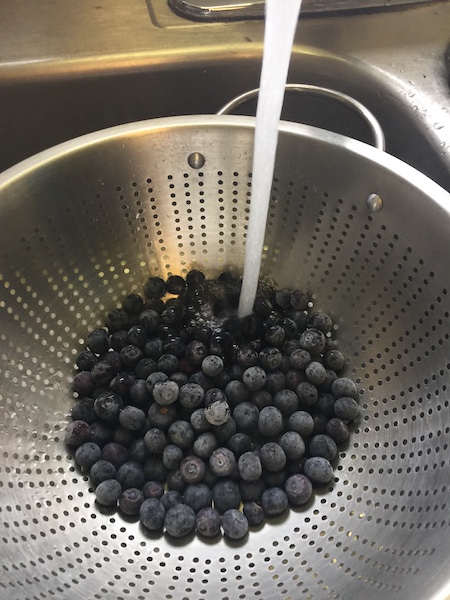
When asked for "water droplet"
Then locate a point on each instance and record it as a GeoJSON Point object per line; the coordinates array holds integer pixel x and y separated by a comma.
{"type": "Point", "coordinates": [438, 126]}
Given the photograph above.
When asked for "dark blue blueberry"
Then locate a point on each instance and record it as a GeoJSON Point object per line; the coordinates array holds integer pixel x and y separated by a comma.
{"type": "Point", "coordinates": [130, 356]}
{"type": "Point", "coordinates": [154, 378]}
{"type": "Point", "coordinates": [272, 456]}
{"type": "Point", "coordinates": [218, 412]}
{"type": "Point", "coordinates": [315, 373]}
{"type": "Point", "coordinates": [334, 360]}
{"type": "Point", "coordinates": [171, 316]}
{"type": "Point", "coordinates": [286, 401]}
{"type": "Point", "coordinates": [192, 469]}
{"type": "Point", "coordinates": [247, 356]}
{"type": "Point", "coordinates": [154, 469]}
{"type": "Point", "coordinates": [274, 478]}
{"type": "Point", "coordinates": [113, 358]}
{"type": "Point", "coordinates": [171, 498]}
{"type": "Point", "coordinates": [139, 393]}
{"type": "Point", "coordinates": [77, 433]}
{"type": "Point", "coordinates": [152, 514]}
{"type": "Point", "coordinates": [98, 341]}
{"type": "Point", "coordinates": [300, 359]}
{"type": "Point", "coordinates": [344, 387]}
{"type": "Point", "coordinates": [321, 321]}
{"type": "Point", "coordinates": [117, 320]}
{"type": "Point", "coordinates": [320, 423]}
{"type": "Point", "coordinates": [325, 405]}
{"type": "Point", "coordinates": [208, 522]}
{"type": "Point", "coordinates": [153, 348]}
{"type": "Point", "coordinates": [290, 346]}
{"type": "Point", "coordinates": [246, 416]}
{"type": "Point", "coordinates": [299, 299]}
{"type": "Point", "coordinates": [300, 318]}
{"type": "Point", "coordinates": [236, 392]}
{"type": "Point", "coordinates": [251, 491]}
{"type": "Point", "coordinates": [346, 409]}
{"type": "Point", "coordinates": [132, 418]}
{"type": "Point", "coordinates": [137, 336]}
{"type": "Point", "coordinates": [87, 454]}
{"type": "Point", "coordinates": [153, 489]}
{"type": "Point", "coordinates": [175, 481]}
{"type": "Point", "coordinates": [83, 410]}
{"type": "Point", "coordinates": [270, 358]}
{"type": "Point", "coordinates": [86, 360]}
{"type": "Point", "coordinates": [119, 339]}
{"type": "Point", "coordinates": [108, 406]}
{"type": "Point", "coordinates": [312, 340]}
{"type": "Point", "coordinates": [261, 399]}
{"type": "Point", "coordinates": [162, 416]}
{"type": "Point", "coordinates": [155, 304]}
{"type": "Point", "coordinates": [102, 470]}
{"type": "Point", "coordinates": [234, 524]}
{"type": "Point", "coordinates": [222, 462]}
{"type": "Point", "coordinates": [130, 501]}
{"type": "Point", "coordinates": [290, 328]}
{"type": "Point", "coordinates": [270, 421]}
{"type": "Point", "coordinates": [191, 395]}
{"type": "Point", "coordinates": [83, 383]}
{"type": "Point", "coordinates": [226, 495]}
{"type": "Point", "coordinates": [115, 454]}
{"type": "Point", "coordinates": [108, 492]}
{"type": "Point", "coordinates": [199, 422]}
{"type": "Point", "coordinates": [155, 287]}
{"type": "Point", "coordinates": [172, 456]}
{"type": "Point", "coordinates": [292, 444]}
{"type": "Point", "coordinates": [254, 513]}
{"type": "Point", "coordinates": [165, 392]}
{"type": "Point", "coordinates": [138, 450]}
{"type": "Point", "coordinates": [121, 384]}
{"type": "Point", "coordinates": [275, 381]}
{"type": "Point", "coordinates": [205, 444]}
{"type": "Point", "coordinates": [175, 284]}
{"type": "Point", "coordinates": [179, 378]}
{"type": "Point", "coordinates": [250, 468]}
{"type": "Point", "coordinates": [150, 319]}
{"type": "Point", "coordinates": [201, 379]}
{"type": "Point", "coordinates": [131, 474]}
{"type": "Point", "coordinates": [307, 393]}
{"type": "Point", "coordinates": [298, 489]}
{"type": "Point", "coordinates": [274, 501]}
{"type": "Point", "coordinates": [337, 430]}
{"type": "Point", "coordinates": [155, 440]}
{"type": "Point", "coordinates": [293, 378]}
{"type": "Point", "coordinates": [275, 335]}
{"type": "Point", "coordinates": [196, 352]}
{"type": "Point", "coordinates": [101, 432]}
{"type": "Point", "coordinates": [167, 363]}
{"type": "Point", "coordinates": [254, 378]}
{"type": "Point", "coordinates": [179, 520]}
{"type": "Point", "coordinates": [239, 443]}
{"type": "Point", "coordinates": [330, 376]}
{"type": "Point", "coordinates": [197, 496]}
{"type": "Point", "coordinates": [282, 298]}
{"type": "Point", "coordinates": [182, 434]}
{"type": "Point", "coordinates": [194, 278]}
{"type": "Point", "coordinates": [133, 304]}
{"type": "Point", "coordinates": [323, 445]}
{"type": "Point", "coordinates": [122, 436]}
{"type": "Point", "coordinates": [318, 470]}
{"type": "Point", "coordinates": [212, 365]}
{"type": "Point", "coordinates": [301, 422]}
{"type": "Point", "coordinates": [214, 394]}
{"type": "Point", "coordinates": [263, 307]}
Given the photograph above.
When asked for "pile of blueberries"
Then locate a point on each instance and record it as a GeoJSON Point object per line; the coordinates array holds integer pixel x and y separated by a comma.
{"type": "Point", "coordinates": [192, 419]}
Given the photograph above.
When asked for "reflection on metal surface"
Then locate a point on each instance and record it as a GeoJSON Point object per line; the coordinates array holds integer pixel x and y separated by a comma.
{"type": "Point", "coordinates": [235, 9]}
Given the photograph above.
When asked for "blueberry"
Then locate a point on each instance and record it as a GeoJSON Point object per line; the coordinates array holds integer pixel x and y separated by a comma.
{"type": "Point", "coordinates": [261, 399]}
{"type": "Point", "coordinates": [312, 340]}
{"type": "Point", "coordinates": [321, 321]}
{"type": "Point", "coordinates": [167, 363]}
{"type": "Point", "coordinates": [201, 379]}
{"type": "Point", "coordinates": [130, 474]}
{"type": "Point", "coordinates": [218, 413]}
{"type": "Point", "coordinates": [246, 416]}
{"type": "Point", "coordinates": [192, 469]}
{"type": "Point", "coordinates": [155, 287]}
{"type": "Point", "coordinates": [250, 467]}
{"type": "Point", "coordinates": [286, 401]}
{"type": "Point", "coordinates": [155, 304]}
{"type": "Point", "coordinates": [337, 430]}
{"type": "Point", "coordinates": [154, 469]}
{"type": "Point", "coordinates": [133, 304]}
{"type": "Point", "coordinates": [236, 392]}
{"type": "Point", "coordinates": [180, 379]}
{"type": "Point", "coordinates": [275, 382]}
{"type": "Point", "coordinates": [254, 378]}
{"type": "Point", "coordinates": [98, 341]}
{"type": "Point", "coordinates": [115, 454]}
{"type": "Point", "coordinates": [83, 410]}
{"type": "Point", "coordinates": [320, 423]}
{"type": "Point", "coordinates": [307, 393]}
{"type": "Point", "coordinates": [282, 298]}
{"type": "Point", "coordinates": [113, 358]}
{"type": "Point", "coordinates": [122, 436]}
{"type": "Point", "coordinates": [108, 406]}
{"type": "Point", "coordinates": [197, 496]}
{"type": "Point", "coordinates": [298, 489]}
{"type": "Point", "coordinates": [214, 394]}
{"type": "Point", "coordinates": [247, 356]}
{"type": "Point", "coordinates": [137, 336]}
{"type": "Point", "coordinates": [205, 444]}
{"type": "Point", "coordinates": [254, 512]}
{"type": "Point", "coordinates": [155, 440]}
{"type": "Point", "coordinates": [222, 462]}
{"type": "Point", "coordinates": [301, 422]}
{"type": "Point", "coordinates": [212, 365]}
{"type": "Point", "coordinates": [86, 360]}
{"type": "Point", "coordinates": [102, 470]}
{"type": "Point", "coordinates": [226, 495]}
{"type": "Point", "coordinates": [130, 356]}
{"type": "Point", "coordinates": [116, 320]}
{"type": "Point", "coordinates": [77, 433]}
{"type": "Point", "coordinates": [292, 444]}
{"type": "Point", "coordinates": [275, 335]}
{"type": "Point", "coordinates": [138, 450]}
{"type": "Point", "coordinates": [323, 445]}
{"type": "Point", "coordinates": [299, 299]}
{"type": "Point", "coordinates": [290, 328]}
{"type": "Point", "coordinates": [179, 520]}
{"type": "Point", "coordinates": [170, 498]}
{"type": "Point", "coordinates": [132, 418]}
{"type": "Point", "coordinates": [119, 339]}
{"type": "Point", "coordinates": [263, 307]}
{"type": "Point", "coordinates": [196, 352]}
{"type": "Point", "coordinates": [300, 359]}
{"type": "Point", "coordinates": [165, 392]}
{"type": "Point", "coordinates": [139, 393]}
{"type": "Point", "coordinates": [199, 422]}
{"type": "Point", "coordinates": [162, 416]}
{"type": "Point", "coordinates": [346, 409]}
{"type": "Point", "coordinates": [315, 373]}
{"type": "Point", "coordinates": [343, 386]}
{"type": "Point", "coordinates": [208, 522]}
{"type": "Point", "coordinates": [194, 278]}
{"type": "Point", "coordinates": [87, 454]}
{"type": "Point", "coordinates": [130, 501]}
{"type": "Point", "coordinates": [274, 501]}
{"type": "Point", "coordinates": [175, 481]}
{"type": "Point", "coordinates": [318, 470]}
{"type": "Point", "coordinates": [121, 384]}
{"type": "Point", "coordinates": [152, 514]}
{"type": "Point", "coordinates": [293, 378]}
{"type": "Point", "coordinates": [153, 489]}
{"type": "Point", "coordinates": [150, 319]}
{"type": "Point", "coordinates": [274, 478]}
{"type": "Point", "coordinates": [181, 433]}
{"type": "Point", "coordinates": [330, 376]}
{"type": "Point", "coordinates": [251, 491]}
{"type": "Point", "coordinates": [172, 456]}
{"type": "Point", "coordinates": [270, 421]}
{"type": "Point", "coordinates": [234, 524]}
{"type": "Point", "coordinates": [333, 359]}
{"type": "Point", "coordinates": [239, 443]}
{"type": "Point", "coordinates": [83, 383]}
{"type": "Point", "coordinates": [108, 492]}
{"type": "Point", "coordinates": [272, 456]}
{"type": "Point", "coordinates": [175, 284]}
{"type": "Point", "coordinates": [325, 404]}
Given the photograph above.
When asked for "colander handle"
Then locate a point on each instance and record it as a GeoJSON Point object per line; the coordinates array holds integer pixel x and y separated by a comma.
{"type": "Point", "coordinates": [344, 99]}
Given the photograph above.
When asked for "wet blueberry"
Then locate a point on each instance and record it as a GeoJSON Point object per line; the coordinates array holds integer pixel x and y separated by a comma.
{"type": "Point", "coordinates": [77, 433]}
{"type": "Point", "coordinates": [98, 341]}
{"type": "Point", "coordinates": [155, 287]}
{"type": "Point", "coordinates": [108, 406]}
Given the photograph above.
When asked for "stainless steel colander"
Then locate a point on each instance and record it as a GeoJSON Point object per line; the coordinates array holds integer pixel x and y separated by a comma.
{"type": "Point", "coordinates": [85, 223]}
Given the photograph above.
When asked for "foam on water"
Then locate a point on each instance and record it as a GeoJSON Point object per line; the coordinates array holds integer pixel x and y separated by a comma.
{"type": "Point", "coordinates": [280, 25]}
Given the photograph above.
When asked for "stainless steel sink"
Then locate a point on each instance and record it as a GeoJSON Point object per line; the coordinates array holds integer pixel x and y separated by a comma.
{"type": "Point", "coordinates": [65, 72]}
